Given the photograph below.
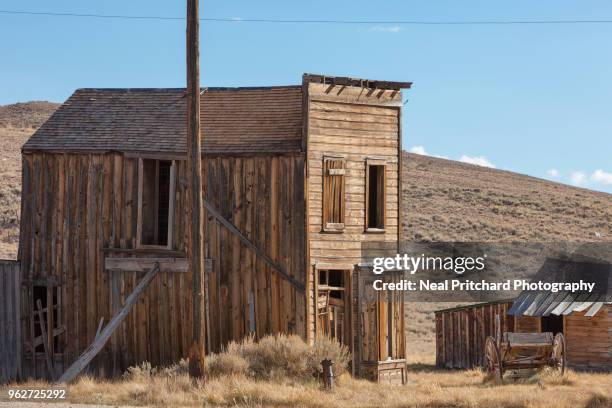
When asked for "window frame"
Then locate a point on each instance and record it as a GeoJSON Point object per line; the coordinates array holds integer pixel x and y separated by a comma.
{"type": "Point", "coordinates": [369, 163]}
{"type": "Point", "coordinates": [333, 227]}
{"type": "Point", "coordinates": [172, 196]}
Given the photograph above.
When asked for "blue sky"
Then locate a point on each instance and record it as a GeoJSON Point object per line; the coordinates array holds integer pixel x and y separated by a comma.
{"type": "Point", "coordinates": [534, 99]}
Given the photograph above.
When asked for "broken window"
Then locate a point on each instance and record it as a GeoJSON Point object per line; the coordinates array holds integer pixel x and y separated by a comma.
{"type": "Point", "coordinates": [47, 317]}
{"type": "Point", "coordinates": [333, 194]}
{"type": "Point", "coordinates": [156, 196]}
{"type": "Point", "coordinates": [375, 196]}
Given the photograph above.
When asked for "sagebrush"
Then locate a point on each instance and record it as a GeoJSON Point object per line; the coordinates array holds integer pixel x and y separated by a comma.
{"type": "Point", "coordinates": [278, 356]}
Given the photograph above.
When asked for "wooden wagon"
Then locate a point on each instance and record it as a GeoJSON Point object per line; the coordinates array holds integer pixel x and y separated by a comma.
{"type": "Point", "coordinates": [520, 351]}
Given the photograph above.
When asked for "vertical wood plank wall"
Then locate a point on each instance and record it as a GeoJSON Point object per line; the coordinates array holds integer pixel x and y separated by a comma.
{"type": "Point", "coordinates": [356, 124]}
{"type": "Point", "coordinates": [264, 198]}
{"type": "Point", "coordinates": [10, 316]}
{"type": "Point", "coordinates": [461, 333]}
{"type": "Point", "coordinates": [76, 204]}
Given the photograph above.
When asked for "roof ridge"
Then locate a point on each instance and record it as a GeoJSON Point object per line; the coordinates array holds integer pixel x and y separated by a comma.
{"type": "Point", "coordinates": [204, 88]}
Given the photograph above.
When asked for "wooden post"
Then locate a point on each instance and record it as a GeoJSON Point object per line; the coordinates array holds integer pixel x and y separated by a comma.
{"type": "Point", "coordinates": [194, 160]}
{"type": "Point", "coordinates": [498, 334]}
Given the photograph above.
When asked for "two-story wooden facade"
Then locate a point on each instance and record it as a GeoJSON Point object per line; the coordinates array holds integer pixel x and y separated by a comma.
{"type": "Point", "coordinates": [301, 186]}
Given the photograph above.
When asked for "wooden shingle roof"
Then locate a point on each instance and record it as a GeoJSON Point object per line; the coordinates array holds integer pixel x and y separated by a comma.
{"type": "Point", "coordinates": [235, 120]}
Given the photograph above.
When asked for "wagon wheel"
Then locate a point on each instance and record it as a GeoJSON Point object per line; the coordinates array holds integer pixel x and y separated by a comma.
{"type": "Point", "coordinates": [493, 364]}
{"type": "Point", "coordinates": [558, 358]}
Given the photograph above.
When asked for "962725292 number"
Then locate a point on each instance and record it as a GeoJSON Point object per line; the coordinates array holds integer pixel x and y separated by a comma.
{"type": "Point", "coordinates": [44, 393]}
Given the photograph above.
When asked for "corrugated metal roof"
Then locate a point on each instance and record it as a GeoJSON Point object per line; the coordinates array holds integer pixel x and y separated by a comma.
{"type": "Point", "coordinates": [235, 120]}
{"type": "Point", "coordinates": [538, 303]}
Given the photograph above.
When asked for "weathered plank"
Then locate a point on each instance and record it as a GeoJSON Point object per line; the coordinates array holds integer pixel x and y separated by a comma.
{"type": "Point", "coordinates": [106, 333]}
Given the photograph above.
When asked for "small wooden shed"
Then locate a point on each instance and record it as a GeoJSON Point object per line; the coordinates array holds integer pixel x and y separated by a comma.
{"type": "Point", "coordinates": [587, 326]}
{"type": "Point", "coordinates": [296, 179]}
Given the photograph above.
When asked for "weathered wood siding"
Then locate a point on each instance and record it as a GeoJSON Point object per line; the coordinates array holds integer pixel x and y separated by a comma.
{"type": "Point", "coordinates": [75, 205]}
{"type": "Point", "coordinates": [10, 330]}
{"type": "Point", "coordinates": [264, 198]}
{"type": "Point", "coordinates": [344, 121]}
{"type": "Point", "coordinates": [461, 333]}
{"type": "Point", "coordinates": [355, 124]}
{"type": "Point", "coordinates": [589, 340]}
{"type": "Point", "coordinates": [527, 324]}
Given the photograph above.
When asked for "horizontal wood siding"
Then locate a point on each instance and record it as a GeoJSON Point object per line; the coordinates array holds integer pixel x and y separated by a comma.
{"type": "Point", "coordinates": [75, 205]}
{"type": "Point", "coordinates": [527, 324]}
{"type": "Point", "coordinates": [355, 124]}
{"type": "Point", "coordinates": [10, 316]}
{"type": "Point", "coordinates": [589, 340]}
{"type": "Point", "coordinates": [343, 122]}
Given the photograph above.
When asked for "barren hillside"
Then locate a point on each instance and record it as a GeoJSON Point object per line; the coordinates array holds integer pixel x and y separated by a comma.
{"type": "Point", "coordinates": [17, 123]}
{"type": "Point", "coordinates": [443, 200]}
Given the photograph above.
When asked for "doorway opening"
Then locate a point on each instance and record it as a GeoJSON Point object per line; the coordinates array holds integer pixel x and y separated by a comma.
{"type": "Point", "coordinates": [552, 324]}
{"type": "Point", "coordinates": [333, 304]}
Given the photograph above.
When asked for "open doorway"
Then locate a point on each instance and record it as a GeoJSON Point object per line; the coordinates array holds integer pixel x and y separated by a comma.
{"type": "Point", "coordinates": [333, 304]}
{"type": "Point", "coordinates": [552, 324]}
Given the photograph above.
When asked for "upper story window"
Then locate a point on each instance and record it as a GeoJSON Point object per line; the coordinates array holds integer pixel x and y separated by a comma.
{"type": "Point", "coordinates": [155, 202]}
{"type": "Point", "coordinates": [375, 195]}
{"type": "Point", "coordinates": [334, 205]}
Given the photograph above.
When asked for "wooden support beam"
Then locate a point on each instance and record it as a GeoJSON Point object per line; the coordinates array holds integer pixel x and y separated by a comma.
{"type": "Point", "coordinates": [43, 331]}
{"type": "Point", "coordinates": [249, 244]}
{"type": "Point", "coordinates": [141, 264]}
{"type": "Point", "coordinates": [172, 265]}
{"type": "Point", "coordinates": [107, 332]}
{"type": "Point", "coordinates": [194, 164]}
{"type": "Point", "coordinates": [56, 332]}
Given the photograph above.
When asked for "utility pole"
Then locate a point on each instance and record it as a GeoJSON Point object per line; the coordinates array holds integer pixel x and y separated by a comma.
{"type": "Point", "coordinates": [194, 163]}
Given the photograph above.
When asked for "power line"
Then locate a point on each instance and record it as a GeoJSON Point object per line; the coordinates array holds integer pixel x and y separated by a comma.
{"type": "Point", "coordinates": [305, 21]}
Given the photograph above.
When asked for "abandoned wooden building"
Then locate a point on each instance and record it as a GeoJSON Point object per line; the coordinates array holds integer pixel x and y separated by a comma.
{"type": "Point", "coordinates": [461, 332]}
{"type": "Point", "coordinates": [296, 179]}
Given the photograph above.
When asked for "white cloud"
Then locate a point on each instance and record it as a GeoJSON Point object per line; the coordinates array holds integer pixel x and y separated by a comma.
{"type": "Point", "coordinates": [553, 173]}
{"type": "Point", "coordinates": [578, 178]}
{"type": "Point", "coordinates": [421, 150]}
{"type": "Point", "coordinates": [477, 160]}
{"type": "Point", "coordinates": [237, 19]}
{"type": "Point", "coordinates": [418, 150]}
{"type": "Point", "coordinates": [385, 29]}
{"type": "Point", "coordinates": [600, 176]}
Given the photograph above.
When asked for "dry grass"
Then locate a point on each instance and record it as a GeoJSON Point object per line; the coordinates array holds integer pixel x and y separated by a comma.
{"type": "Point", "coordinates": [426, 388]}
{"type": "Point", "coordinates": [271, 358]}
{"type": "Point", "coordinates": [243, 376]}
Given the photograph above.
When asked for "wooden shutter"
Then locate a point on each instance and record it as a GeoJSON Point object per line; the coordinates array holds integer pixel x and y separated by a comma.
{"type": "Point", "coordinates": [333, 194]}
